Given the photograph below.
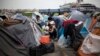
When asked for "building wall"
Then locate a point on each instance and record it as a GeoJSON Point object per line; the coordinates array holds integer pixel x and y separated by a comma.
{"type": "Point", "coordinates": [95, 2]}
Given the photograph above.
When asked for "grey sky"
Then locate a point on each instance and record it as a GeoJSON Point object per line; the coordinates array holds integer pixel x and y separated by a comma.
{"type": "Point", "coordinates": [39, 4]}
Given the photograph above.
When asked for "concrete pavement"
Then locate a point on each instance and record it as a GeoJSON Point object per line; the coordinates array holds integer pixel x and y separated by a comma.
{"type": "Point", "coordinates": [61, 52]}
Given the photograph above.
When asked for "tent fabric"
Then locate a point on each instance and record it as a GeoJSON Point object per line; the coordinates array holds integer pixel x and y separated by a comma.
{"type": "Point", "coordinates": [19, 16]}
{"type": "Point", "coordinates": [91, 44]}
{"type": "Point", "coordinates": [24, 32]}
{"type": "Point", "coordinates": [38, 32]}
{"type": "Point", "coordinates": [77, 15]}
{"type": "Point", "coordinates": [9, 46]}
{"type": "Point", "coordinates": [60, 31]}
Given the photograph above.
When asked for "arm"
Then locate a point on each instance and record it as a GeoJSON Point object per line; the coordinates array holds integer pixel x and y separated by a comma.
{"type": "Point", "coordinates": [93, 22]}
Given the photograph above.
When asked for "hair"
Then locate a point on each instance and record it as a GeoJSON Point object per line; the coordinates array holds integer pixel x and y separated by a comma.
{"type": "Point", "coordinates": [3, 17]}
{"type": "Point", "coordinates": [37, 16]}
{"type": "Point", "coordinates": [50, 26]}
{"type": "Point", "coordinates": [96, 15]}
{"type": "Point", "coordinates": [50, 18]}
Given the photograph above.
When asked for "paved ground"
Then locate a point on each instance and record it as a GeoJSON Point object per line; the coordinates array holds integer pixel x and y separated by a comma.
{"type": "Point", "coordinates": [61, 52]}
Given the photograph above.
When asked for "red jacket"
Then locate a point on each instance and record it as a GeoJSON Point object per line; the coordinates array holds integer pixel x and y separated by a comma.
{"type": "Point", "coordinates": [71, 21]}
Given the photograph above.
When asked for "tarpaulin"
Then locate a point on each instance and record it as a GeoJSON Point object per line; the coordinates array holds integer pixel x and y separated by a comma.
{"type": "Point", "coordinates": [77, 15]}
{"type": "Point", "coordinates": [9, 46]}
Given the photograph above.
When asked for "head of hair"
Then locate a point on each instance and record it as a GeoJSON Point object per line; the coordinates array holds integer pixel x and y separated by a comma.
{"type": "Point", "coordinates": [37, 16]}
{"type": "Point", "coordinates": [3, 17]}
{"type": "Point", "coordinates": [50, 18]}
{"type": "Point", "coordinates": [95, 16]}
{"type": "Point", "coordinates": [50, 26]}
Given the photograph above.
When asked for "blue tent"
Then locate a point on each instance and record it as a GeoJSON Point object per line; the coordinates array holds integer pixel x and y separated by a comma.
{"type": "Point", "coordinates": [75, 14]}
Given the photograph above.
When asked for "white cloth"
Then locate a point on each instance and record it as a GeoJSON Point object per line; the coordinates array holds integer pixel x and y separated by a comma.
{"type": "Point", "coordinates": [52, 22]}
{"type": "Point", "coordinates": [91, 44]}
{"type": "Point", "coordinates": [79, 23]}
{"type": "Point", "coordinates": [45, 27]}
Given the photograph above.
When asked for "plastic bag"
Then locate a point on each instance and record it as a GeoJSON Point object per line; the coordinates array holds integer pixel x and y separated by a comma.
{"type": "Point", "coordinates": [91, 44]}
{"type": "Point", "coordinates": [62, 41]}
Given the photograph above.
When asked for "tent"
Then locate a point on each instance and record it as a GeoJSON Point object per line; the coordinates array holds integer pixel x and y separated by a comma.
{"type": "Point", "coordinates": [77, 15]}
{"type": "Point", "coordinates": [9, 46]}
{"type": "Point", "coordinates": [25, 31]}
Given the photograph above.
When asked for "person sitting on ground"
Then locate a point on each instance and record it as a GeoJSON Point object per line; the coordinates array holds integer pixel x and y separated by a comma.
{"type": "Point", "coordinates": [52, 28]}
